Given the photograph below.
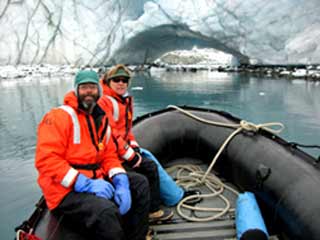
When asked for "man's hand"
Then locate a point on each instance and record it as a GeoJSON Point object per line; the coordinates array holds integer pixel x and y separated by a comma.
{"type": "Point", "coordinates": [122, 195]}
{"type": "Point", "coordinates": [99, 187]}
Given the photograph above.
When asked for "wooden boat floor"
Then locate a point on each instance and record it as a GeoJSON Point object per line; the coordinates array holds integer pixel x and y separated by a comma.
{"type": "Point", "coordinates": [179, 228]}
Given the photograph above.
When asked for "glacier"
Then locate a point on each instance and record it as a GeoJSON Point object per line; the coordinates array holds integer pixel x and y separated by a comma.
{"type": "Point", "coordinates": [102, 32]}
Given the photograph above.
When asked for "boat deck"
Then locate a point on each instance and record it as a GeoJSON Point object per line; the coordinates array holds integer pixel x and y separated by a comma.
{"type": "Point", "coordinates": [218, 229]}
{"type": "Point", "coordinates": [180, 228]}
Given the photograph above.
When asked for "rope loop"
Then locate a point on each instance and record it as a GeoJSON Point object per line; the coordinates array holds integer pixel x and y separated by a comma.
{"type": "Point", "coordinates": [215, 186]}
{"type": "Point", "coordinates": [243, 124]}
{"type": "Point", "coordinates": [249, 126]}
{"type": "Point", "coordinates": [265, 126]}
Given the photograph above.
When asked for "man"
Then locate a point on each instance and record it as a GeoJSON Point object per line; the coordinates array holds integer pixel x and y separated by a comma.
{"type": "Point", "coordinates": [117, 101]}
{"type": "Point", "coordinates": [79, 171]}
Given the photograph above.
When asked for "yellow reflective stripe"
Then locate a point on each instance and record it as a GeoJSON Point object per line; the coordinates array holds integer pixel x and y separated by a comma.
{"type": "Point", "coordinates": [128, 154]}
{"type": "Point", "coordinates": [75, 121]}
{"type": "Point", "coordinates": [115, 108]}
{"type": "Point", "coordinates": [69, 177]}
{"type": "Point", "coordinates": [114, 171]}
{"type": "Point", "coordinates": [134, 143]}
{"type": "Point", "coordinates": [108, 134]}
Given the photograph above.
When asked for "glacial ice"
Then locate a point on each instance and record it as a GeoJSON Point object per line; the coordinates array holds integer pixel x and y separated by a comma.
{"type": "Point", "coordinates": [99, 32]}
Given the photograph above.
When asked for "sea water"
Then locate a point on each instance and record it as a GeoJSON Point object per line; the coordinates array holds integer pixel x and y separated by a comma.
{"type": "Point", "coordinates": [258, 99]}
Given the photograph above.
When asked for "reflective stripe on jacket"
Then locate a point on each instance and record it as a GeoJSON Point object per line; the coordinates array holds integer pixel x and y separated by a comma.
{"type": "Point", "coordinates": [64, 141]}
{"type": "Point", "coordinates": [121, 111]}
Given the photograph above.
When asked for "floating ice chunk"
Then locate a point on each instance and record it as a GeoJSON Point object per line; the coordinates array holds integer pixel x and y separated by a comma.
{"type": "Point", "coordinates": [262, 93]}
{"type": "Point", "coordinates": [300, 73]}
{"type": "Point", "coordinates": [285, 72]}
{"type": "Point", "coordinates": [137, 88]}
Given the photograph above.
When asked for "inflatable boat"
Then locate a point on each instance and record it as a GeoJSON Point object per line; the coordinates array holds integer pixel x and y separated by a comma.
{"type": "Point", "coordinates": [284, 179]}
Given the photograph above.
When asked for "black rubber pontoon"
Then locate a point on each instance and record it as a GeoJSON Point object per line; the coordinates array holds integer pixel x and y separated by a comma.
{"type": "Point", "coordinates": [284, 179]}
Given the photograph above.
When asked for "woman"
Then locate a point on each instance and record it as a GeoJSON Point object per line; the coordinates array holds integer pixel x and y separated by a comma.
{"type": "Point", "coordinates": [118, 103]}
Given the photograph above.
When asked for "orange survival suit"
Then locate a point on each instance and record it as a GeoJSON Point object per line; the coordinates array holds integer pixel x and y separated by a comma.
{"type": "Point", "coordinates": [68, 143]}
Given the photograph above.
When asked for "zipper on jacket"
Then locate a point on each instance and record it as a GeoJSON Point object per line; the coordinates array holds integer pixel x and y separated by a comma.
{"type": "Point", "coordinates": [127, 118]}
{"type": "Point", "coordinates": [91, 132]}
{"type": "Point", "coordinates": [100, 145]}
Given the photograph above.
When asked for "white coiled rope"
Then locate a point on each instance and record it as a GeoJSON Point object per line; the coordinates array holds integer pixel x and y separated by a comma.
{"type": "Point", "coordinates": [190, 176]}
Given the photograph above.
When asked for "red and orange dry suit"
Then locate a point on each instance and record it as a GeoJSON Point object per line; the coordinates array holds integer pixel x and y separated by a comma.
{"type": "Point", "coordinates": [65, 142]}
{"type": "Point", "coordinates": [121, 110]}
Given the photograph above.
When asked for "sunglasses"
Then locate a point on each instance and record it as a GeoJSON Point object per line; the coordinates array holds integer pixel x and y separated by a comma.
{"type": "Point", "coordinates": [116, 80]}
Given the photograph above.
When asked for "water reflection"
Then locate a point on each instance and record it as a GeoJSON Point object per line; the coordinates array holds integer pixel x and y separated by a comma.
{"type": "Point", "coordinates": [294, 103]}
{"type": "Point", "coordinates": [24, 102]}
{"type": "Point", "coordinates": [199, 89]}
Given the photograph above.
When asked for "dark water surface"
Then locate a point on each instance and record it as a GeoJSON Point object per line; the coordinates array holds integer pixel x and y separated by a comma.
{"type": "Point", "coordinates": [295, 103]}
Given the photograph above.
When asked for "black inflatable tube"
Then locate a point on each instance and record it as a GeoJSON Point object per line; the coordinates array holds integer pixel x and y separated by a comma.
{"type": "Point", "coordinates": [289, 195]}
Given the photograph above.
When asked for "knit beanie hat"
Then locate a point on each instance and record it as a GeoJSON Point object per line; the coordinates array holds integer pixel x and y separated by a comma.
{"type": "Point", "coordinates": [86, 76]}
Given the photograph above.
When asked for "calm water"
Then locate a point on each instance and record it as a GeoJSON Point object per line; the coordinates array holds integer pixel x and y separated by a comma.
{"type": "Point", "coordinates": [296, 103]}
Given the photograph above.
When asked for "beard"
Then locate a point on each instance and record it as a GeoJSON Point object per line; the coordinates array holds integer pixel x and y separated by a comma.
{"type": "Point", "coordinates": [87, 105]}
{"type": "Point", "coordinates": [88, 101]}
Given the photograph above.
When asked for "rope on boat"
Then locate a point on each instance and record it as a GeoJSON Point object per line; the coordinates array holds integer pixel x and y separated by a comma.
{"type": "Point", "coordinates": [190, 176]}
{"type": "Point", "coordinates": [197, 177]}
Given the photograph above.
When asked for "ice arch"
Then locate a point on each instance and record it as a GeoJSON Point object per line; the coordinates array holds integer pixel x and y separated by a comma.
{"type": "Point", "coordinates": [152, 43]}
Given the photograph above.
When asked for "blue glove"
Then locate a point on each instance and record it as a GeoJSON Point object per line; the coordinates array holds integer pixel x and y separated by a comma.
{"type": "Point", "coordinates": [122, 195]}
{"type": "Point", "coordinates": [99, 187]}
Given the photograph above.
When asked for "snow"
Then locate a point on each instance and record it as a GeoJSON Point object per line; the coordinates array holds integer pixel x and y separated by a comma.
{"type": "Point", "coordinates": [23, 71]}
{"type": "Point", "coordinates": [199, 57]}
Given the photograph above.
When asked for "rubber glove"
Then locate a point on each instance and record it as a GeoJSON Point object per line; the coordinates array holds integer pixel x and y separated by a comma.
{"type": "Point", "coordinates": [122, 195]}
{"type": "Point", "coordinates": [99, 187]}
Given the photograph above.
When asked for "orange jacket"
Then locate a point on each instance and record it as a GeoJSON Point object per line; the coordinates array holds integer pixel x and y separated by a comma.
{"type": "Point", "coordinates": [64, 141]}
{"type": "Point", "coordinates": [121, 110]}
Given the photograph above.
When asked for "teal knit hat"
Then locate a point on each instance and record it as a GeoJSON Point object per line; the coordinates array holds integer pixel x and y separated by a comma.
{"type": "Point", "coordinates": [86, 76]}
